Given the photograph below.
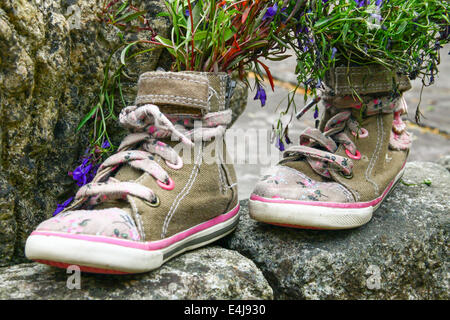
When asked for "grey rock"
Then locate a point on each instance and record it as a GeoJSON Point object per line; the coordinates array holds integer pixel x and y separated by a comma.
{"type": "Point", "coordinates": [208, 273]}
{"type": "Point", "coordinates": [401, 254]}
{"type": "Point", "coordinates": [7, 220]}
{"type": "Point", "coordinates": [445, 162]}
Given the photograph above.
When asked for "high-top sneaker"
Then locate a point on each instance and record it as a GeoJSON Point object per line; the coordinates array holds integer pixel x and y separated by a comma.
{"type": "Point", "coordinates": [340, 173]}
{"type": "Point", "coordinates": [166, 190]}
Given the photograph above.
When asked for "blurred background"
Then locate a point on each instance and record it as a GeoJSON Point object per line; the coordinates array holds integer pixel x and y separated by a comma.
{"type": "Point", "coordinates": [430, 139]}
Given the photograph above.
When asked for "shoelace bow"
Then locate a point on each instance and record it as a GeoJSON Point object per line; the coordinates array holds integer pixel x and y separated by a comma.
{"type": "Point", "coordinates": [321, 161]}
{"type": "Point", "coordinates": [319, 148]}
{"type": "Point", "coordinates": [147, 125]}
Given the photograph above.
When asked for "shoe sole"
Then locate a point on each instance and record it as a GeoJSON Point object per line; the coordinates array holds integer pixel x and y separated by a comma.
{"type": "Point", "coordinates": [316, 215]}
{"type": "Point", "coordinates": [97, 254]}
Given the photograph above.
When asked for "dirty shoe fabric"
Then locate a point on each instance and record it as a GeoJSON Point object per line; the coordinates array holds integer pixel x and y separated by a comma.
{"type": "Point", "coordinates": [339, 173]}
{"type": "Point", "coordinates": [166, 189]}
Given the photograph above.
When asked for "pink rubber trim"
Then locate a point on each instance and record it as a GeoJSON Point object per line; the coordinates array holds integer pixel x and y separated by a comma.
{"type": "Point", "coordinates": [82, 268]}
{"type": "Point", "coordinates": [153, 245]}
{"type": "Point", "coordinates": [353, 205]}
{"type": "Point", "coordinates": [357, 156]}
{"type": "Point", "coordinates": [168, 186]}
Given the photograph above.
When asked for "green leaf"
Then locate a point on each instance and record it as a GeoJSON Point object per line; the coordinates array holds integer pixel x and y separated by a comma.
{"type": "Point", "coordinates": [257, 44]}
{"type": "Point", "coordinates": [87, 117]}
{"type": "Point", "coordinates": [124, 52]}
{"type": "Point", "coordinates": [122, 7]}
{"type": "Point", "coordinates": [402, 27]}
{"type": "Point", "coordinates": [163, 14]}
{"type": "Point", "coordinates": [164, 41]}
{"type": "Point", "coordinates": [131, 16]}
{"type": "Point", "coordinates": [200, 35]}
{"type": "Point", "coordinates": [228, 34]}
{"type": "Point", "coordinates": [196, 13]}
{"type": "Point", "coordinates": [279, 58]}
{"type": "Point", "coordinates": [323, 21]}
{"type": "Point", "coordinates": [345, 31]}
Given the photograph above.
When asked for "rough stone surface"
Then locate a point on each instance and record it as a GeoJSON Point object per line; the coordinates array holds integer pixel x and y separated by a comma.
{"type": "Point", "coordinates": [445, 162]}
{"type": "Point", "coordinates": [8, 224]}
{"type": "Point", "coordinates": [52, 59]}
{"type": "Point", "coordinates": [404, 247]}
{"type": "Point", "coordinates": [208, 273]}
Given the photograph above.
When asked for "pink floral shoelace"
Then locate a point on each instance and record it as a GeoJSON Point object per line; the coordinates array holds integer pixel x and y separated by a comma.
{"type": "Point", "coordinates": [319, 147]}
{"type": "Point", "coordinates": [148, 125]}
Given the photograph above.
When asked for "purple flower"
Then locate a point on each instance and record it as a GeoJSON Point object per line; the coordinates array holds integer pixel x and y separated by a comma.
{"type": "Point", "coordinates": [280, 144]}
{"type": "Point", "coordinates": [301, 29]}
{"type": "Point", "coordinates": [84, 173]}
{"type": "Point", "coordinates": [316, 113]}
{"type": "Point", "coordinates": [105, 144]}
{"type": "Point", "coordinates": [379, 3]}
{"type": "Point", "coordinates": [61, 207]}
{"type": "Point", "coordinates": [261, 95]}
{"type": "Point", "coordinates": [362, 3]}
{"type": "Point", "coordinates": [271, 11]}
{"type": "Point", "coordinates": [186, 13]}
{"type": "Point", "coordinates": [286, 138]}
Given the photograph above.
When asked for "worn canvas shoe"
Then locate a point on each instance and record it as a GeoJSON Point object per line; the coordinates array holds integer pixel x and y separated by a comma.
{"type": "Point", "coordinates": [340, 173]}
{"type": "Point", "coordinates": [158, 196]}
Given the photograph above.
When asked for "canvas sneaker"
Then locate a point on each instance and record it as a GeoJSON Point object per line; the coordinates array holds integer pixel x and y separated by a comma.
{"type": "Point", "coordinates": [340, 172]}
{"type": "Point", "coordinates": [166, 189]}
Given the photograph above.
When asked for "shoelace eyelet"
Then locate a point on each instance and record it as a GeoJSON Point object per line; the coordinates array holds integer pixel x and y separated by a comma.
{"type": "Point", "coordinates": [363, 133]}
{"type": "Point", "coordinates": [357, 156]}
{"type": "Point", "coordinates": [346, 177]}
{"type": "Point", "coordinates": [168, 186]}
{"type": "Point", "coordinates": [154, 203]}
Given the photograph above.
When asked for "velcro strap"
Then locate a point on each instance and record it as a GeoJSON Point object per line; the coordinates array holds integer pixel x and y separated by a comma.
{"type": "Point", "coordinates": [365, 80]}
{"type": "Point", "coordinates": [173, 89]}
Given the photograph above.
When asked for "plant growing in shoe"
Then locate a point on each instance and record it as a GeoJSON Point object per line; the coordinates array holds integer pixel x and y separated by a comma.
{"type": "Point", "coordinates": [228, 36]}
{"type": "Point", "coordinates": [361, 55]}
{"type": "Point", "coordinates": [404, 36]}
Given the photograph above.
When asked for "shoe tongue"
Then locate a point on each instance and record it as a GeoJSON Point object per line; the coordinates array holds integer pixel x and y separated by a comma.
{"type": "Point", "coordinates": [174, 92]}
{"type": "Point", "coordinates": [127, 173]}
{"type": "Point", "coordinates": [123, 205]}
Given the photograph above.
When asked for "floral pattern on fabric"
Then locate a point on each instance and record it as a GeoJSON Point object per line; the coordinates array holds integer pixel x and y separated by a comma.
{"type": "Point", "coordinates": [114, 223]}
{"type": "Point", "coordinates": [287, 183]}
